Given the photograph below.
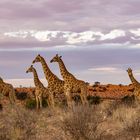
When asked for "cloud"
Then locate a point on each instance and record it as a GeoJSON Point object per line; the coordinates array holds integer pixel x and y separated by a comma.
{"type": "Point", "coordinates": [59, 38]}
{"type": "Point", "coordinates": [105, 69]}
{"type": "Point", "coordinates": [113, 34]}
{"type": "Point", "coordinates": [136, 32]}
{"type": "Point", "coordinates": [75, 16]}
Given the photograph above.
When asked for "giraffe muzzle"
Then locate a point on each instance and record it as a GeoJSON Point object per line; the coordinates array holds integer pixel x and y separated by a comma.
{"type": "Point", "coordinates": [51, 61]}
{"type": "Point", "coordinates": [33, 62]}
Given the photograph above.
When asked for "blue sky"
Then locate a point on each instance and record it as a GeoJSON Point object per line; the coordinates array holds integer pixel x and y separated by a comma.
{"type": "Point", "coordinates": [98, 40]}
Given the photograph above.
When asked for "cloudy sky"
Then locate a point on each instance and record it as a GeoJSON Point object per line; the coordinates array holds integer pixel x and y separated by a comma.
{"type": "Point", "coordinates": [98, 39]}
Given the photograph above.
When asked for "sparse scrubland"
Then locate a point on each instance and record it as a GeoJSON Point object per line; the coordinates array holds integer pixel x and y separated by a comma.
{"type": "Point", "coordinates": [109, 120]}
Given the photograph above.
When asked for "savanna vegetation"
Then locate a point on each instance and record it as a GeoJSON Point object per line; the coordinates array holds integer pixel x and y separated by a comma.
{"type": "Point", "coordinates": [100, 120]}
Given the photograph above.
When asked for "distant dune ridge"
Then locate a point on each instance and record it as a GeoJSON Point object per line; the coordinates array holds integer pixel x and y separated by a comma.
{"type": "Point", "coordinates": [104, 91]}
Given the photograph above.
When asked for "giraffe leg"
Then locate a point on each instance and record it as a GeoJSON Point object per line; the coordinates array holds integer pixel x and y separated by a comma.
{"type": "Point", "coordinates": [51, 96]}
{"type": "Point", "coordinates": [10, 90]}
{"type": "Point", "coordinates": [69, 98]}
{"type": "Point", "coordinates": [37, 102]}
{"type": "Point", "coordinates": [49, 101]}
{"type": "Point", "coordinates": [40, 101]}
{"type": "Point", "coordinates": [12, 97]}
{"type": "Point", "coordinates": [137, 95]}
{"type": "Point", "coordinates": [83, 95]}
{"type": "Point", "coordinates": [82, 100]}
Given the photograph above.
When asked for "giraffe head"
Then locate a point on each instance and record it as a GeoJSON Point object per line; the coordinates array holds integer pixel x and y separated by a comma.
{"type": "Point", "coordinates": [129, 70]}
{"type": "Point", "coordinates": [30, 69]}
{"type": "Point", "coordinates": [56, 58]}
{"type": "Point", "coordinates": [37, 59]}
{"type": "Point", "coordinates": [1, 80]}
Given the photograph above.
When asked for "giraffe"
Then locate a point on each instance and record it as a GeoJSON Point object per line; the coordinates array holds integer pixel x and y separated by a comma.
{"type": "Point", "coordinates": [7, 89]}
{"type": "Point", "coordinates": [135, 83]}
{"type": "Point", "coordinates": [71, 83]}
{"type": "Point", "coordinates": [39, 87]}
{"type": "Point", "coordinates": [55, 85]}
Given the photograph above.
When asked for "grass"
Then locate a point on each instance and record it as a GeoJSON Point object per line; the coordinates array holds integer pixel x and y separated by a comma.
{"type": "Point", "coordinates": [109, 120]}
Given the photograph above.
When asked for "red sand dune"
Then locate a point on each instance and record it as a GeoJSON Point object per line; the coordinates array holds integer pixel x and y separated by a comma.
{"type": "Point", "coordinates": [104, 91]}
{"type": "Point", "coordinates": [111, 91]}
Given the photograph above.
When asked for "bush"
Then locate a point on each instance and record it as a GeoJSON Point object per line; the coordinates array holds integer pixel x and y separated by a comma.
{"type": "Point", "coordinates": [108, 86]}
{"type": "Point", "coordinates": [82, 123]}
{"type": "Point", "coordinates": [17, 124]}
{"type": "Point", "coordinates": [120, 85]}
{"type": "Point", "coordinates": [131, 90]}
{"type": "Point", "coordinates": [21, 95]}
{"type": "Point", "coordinates": [1, 107]}
{"type": "Point", "coordinates": [62, 103]}
{"type": "Point", "coordinates": [132, 130]}
{"type": "Point", "coordinates": [129, 119]}
{"type": "Point", "coordinates": [31, 103]}
{"type": "Point", "coordinates": [44, 103]}
{"type": "Point", "coordinates": [104, 88]}
{"type": "Point", "coordinates": [94, 100]}
{"type": "Point", "coordinates": [101, 90]}
{"type": "Point", "coordinates": [94, 90]}
{"type": "Point", "coordinates": [128, 100]}
{"type": "Point", "coordinates": [94, 86]}
{"type": "Point", "coordinates": [77, 99]}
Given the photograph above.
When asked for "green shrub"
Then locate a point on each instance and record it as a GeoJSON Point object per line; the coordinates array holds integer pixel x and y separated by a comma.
{"type": "Point", "coordinates": [94, 100]}
{"type": "Point", "coordinates": [31, 103]}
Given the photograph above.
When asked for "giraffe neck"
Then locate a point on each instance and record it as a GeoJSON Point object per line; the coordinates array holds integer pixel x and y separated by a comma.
{"type": "Point", "coordinates": [46, 69]}
{"type": "Point", "coordinates": [133, 80]}
{"type": "Point", "coordinates": [63, 70]}
{"type": "Point", "coordinates": [36, 79]}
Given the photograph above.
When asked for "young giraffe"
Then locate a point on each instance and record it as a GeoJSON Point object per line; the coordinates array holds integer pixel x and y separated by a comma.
{"type": "Point", "coordinates": [7, 89]}
{"type": "Point", "coordinates": [135, 83]}
{"type": "Point", "coordinates": [39, 88]}
{"type": "Point", "coordinates": [55, 85]}
{"type": "Point", "coordinates": [71, 83]}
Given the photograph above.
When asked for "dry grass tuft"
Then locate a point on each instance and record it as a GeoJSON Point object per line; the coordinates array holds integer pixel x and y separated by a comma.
{"type": "Point", "coordinates": [82, 122]}
{"type": "Point", "coordinates": [17, 124]}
